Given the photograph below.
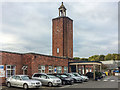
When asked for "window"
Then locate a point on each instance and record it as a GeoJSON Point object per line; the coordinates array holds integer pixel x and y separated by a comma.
{"type": "Point", "coordinates": [17, 77]}
{"type": "Point", "coordinates": [10, 70]}
{"type": "Point", "coordinates": [36, 75]}
{"type": "Point", "coordinates": [59, 69]}
{"type": "Point", "coordinates": [41, 69]}
{"type": "Point", "coordinates": [86, 70]}
{"type": "Point", "coordinates": [65, 69]}
{"type": "Point", "coordinates": [50, 69]}
{"type": "Point", "coordinates": [44, 76]}
{"type": "Point", "coordinates": [57, 50]}
{"type": "Point", "coordinates": [90, 70]}
{"type": "Point", "coordinates": [79, 70]}
{"type": "Point", "coordinates": [82, 70]}
{"type": "Point", "coordinates": [24, 68]}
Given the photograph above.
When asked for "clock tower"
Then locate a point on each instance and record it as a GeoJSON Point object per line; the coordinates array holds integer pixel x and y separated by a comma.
{"type": "Point", "coordinates": [62, 34]}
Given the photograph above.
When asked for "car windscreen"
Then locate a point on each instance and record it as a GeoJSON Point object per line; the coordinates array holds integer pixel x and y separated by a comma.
{"type": "Point", "coordinates": [51, 76]}
{"type": "Point", "coordinates": [63, 76]}
{"type": "Point", "coordinates": [76, 74]}
{"type": "Point", "coordinates": [72, 75]}
{"type": "Point", "coordinates": [25, 77]}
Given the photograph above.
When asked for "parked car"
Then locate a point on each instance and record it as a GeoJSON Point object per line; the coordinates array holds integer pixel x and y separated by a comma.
{"type": "Point", "coordinates": [65, 79]}
{"type": "Point", "coordinates": [75, 78]}
{"type": "Point", "coordinates": [22, 81]}
{"type": "Point", "coordinates": [84, 78]}
{"type": "Point", "coordinates": [49, 80]}
{"type": "Point", "coordinates": [89, 74]}
{"type": "Point", "coordinates": [98, 75]}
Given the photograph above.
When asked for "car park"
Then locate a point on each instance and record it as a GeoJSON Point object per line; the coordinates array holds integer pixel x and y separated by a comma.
{"type": "Point", "coordinates": [22, 81]}
{"type": "Point", "coordinates": [84, 78]}
{"type": "Point", "coordinates": [75, 78]}
{"type": "Point", "coordinates": [49, 80]}
{"type": "Point", "coordinates": [65, 79]}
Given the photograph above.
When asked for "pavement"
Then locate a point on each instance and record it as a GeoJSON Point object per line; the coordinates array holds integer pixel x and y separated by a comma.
{"type": "Point", "coordinates": [107, 82]}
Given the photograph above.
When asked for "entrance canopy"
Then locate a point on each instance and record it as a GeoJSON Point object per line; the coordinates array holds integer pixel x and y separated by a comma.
{"type": "Point", "coordinates": [85, 63]}
{"type": "Point", "coordinates": [75, 65]}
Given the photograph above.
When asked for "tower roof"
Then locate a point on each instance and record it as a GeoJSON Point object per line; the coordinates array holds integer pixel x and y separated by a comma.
{"type": "Point", "coordinates": [62, 6]}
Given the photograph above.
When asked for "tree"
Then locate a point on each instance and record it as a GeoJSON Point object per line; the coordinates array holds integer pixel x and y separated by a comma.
{"type": "Point", "coordinates": [76, 58]}
{"type": "Point", "coordinates": [108, 57]}
{"type": "Point", "coordinates": [101, 57]}
{"type": "Point", "coordinates": [84, 59]}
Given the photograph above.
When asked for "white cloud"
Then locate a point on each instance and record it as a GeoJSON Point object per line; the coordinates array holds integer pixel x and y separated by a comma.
{"type": "Point", "coordinates": [28, 27]}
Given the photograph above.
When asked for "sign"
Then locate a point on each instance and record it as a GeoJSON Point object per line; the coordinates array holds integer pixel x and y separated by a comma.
{"type": "Point", "coordinates": [2, 67]}
{"type": "Point", "coordinates": [2, 73]}
{"type": "Point", "coordinates": [55, 70]}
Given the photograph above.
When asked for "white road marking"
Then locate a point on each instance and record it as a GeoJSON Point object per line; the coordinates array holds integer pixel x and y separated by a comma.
{"type": "Point", "coordinates": [105, 80]}
{"type": "Point", "coordinates": [112, 80]}
{"type": "Point", "coordinates": [98, 80]}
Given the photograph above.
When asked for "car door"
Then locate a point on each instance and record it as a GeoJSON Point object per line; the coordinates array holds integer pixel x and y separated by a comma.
{"type": "Point", "coordinates": [13, 80]}
{"type": "Point", "coordinates": [44, 79]}
{"type": "Point", "coordinates": [19, 81]}
{"type": "Point", "coordinates": [37, 77]}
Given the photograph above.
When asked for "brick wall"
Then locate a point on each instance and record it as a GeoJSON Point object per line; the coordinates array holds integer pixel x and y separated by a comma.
{"type": "Point", "coordinates": [62, 37]}
{"type": "Point", "coordinates": [47, 61]}
{"type": "Point", "coordinates": [11, 59]}
{"type": "Point", "coordinates": [31, 60]}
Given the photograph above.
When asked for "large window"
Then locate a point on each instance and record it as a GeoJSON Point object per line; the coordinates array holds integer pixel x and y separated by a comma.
{"type": "Point", "coordinates": [79, 70]}
{"type": "Point", "coordinates": [24, 68]}
{"type": "Point", "coordinates": [57, 50]}
{"type": "Point", "coordinates": [59, 69]}
{"type": "Point", "coordinates": [50, 68]}
{"type": "Point", "coordinates": [41, 69]}
{"type": "Point", "coordinates": [82, 70]}
{"type": "Point", "coordinates": [10, 70]}
{"type": "Point", "coordinates": [90, 70]}
{"type": "Point", "coordinates": [65, 69]}
{"type": "Point", "coordinates": [86, 70]}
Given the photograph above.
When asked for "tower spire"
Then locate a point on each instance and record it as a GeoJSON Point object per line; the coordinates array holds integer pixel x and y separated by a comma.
{"type": "Point", "coordinates": [62, 10]}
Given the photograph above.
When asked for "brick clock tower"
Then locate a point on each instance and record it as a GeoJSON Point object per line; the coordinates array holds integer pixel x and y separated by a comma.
{"type": "Point", "coordinates": [62, 34]}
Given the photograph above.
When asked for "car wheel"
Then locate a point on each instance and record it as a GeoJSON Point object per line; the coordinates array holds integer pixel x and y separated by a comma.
{"type": "Point", "coordinates": [25, 86]}
{"type": "Point", "coordinates": [9, 84]}
{"type": "Point", "coordinates": [63, 82]}
{"type": "Point", "coordinates": [50, 84]}
{"type": "Point", "coordinates": [74, 80]}
{"type": "Point", "coordinates": [71, 83]}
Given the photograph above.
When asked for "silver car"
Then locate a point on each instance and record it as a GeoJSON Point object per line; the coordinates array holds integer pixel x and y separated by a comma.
{"type": "Point", "coordinates": [22, 81]}
{"type": "Point", "coordinates": [49, 80]}
{"type": "Point", "coordinates": [75, 78]}
{"type": "Point", "coordinates": [84, 78]}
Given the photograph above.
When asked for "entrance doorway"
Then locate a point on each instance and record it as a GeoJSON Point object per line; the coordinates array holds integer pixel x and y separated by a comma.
{"type": "Point", "coordinates": [73, 68]}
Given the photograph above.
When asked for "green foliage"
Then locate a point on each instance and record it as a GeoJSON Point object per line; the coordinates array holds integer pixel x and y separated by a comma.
{"type": "Point", "coordinates": [109, 57]}
{"type": "Point", "coordinates": [76, 58]}
{"type": "Point", "coordinates": [84, 59]}
{"type": "Point", "coordinates": [100, 57]}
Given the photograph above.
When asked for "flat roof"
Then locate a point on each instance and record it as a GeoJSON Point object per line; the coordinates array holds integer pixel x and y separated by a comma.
{"type": "Point", "coordinates": [35, 54]}
{"type": "Point", "coordinates": [85, 63]}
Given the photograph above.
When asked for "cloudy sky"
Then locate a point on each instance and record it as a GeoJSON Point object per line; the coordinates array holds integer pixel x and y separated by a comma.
{"type": "Point", "coordinates": [27, 27]}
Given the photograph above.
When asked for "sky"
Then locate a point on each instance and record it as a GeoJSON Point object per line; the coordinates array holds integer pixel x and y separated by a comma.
{"type": "Point", "coordinates": [27, 27]}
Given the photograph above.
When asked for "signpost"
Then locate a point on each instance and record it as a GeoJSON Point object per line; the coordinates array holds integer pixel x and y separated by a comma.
{"type": "Point", "coordinates": [2, 71]}
{"type": "Point", "coordinates": [55, 70]}
{"type": "Point", "coordinates": [2, 67]}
